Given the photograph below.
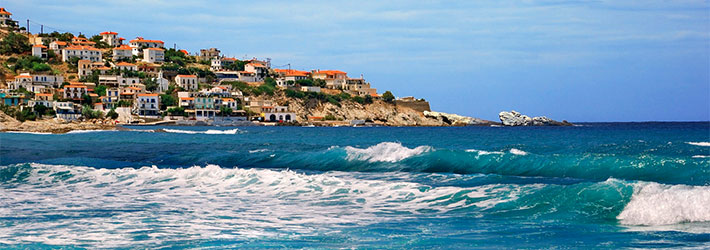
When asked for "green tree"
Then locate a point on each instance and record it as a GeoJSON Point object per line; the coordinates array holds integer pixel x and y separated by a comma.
{"type": "Point", "coordinates": [112, 114]}
{"type": "Point", "coordinates": [167, 101]}
{"type": "Point", "coordinates": [150, 84]}
{"type": "Point", "coordinates": [40, 110]}
{"type": "Point", "coordinates": [14, 43]}
{"type": "Point", "coordinates": [225, 110]}
{"type": "Point", "coordinates": [388, 96]}
{"type": "Point", "coordinates": [100, 90]}
{"type": "Point", "coordinates": [86, 99]}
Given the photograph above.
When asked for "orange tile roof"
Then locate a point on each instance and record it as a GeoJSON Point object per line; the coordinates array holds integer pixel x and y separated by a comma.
{"type": "Point", "coordinates": [229, 59]}
{"type": "Point", "coordinates": [123, 47]}
{"type": "Point", "coordinates": [60, 43]}
{"type": "Point", "coordinates": [292, 72]}
{"type": "Point", "coordinates": [141, 40]}
{"type": "Point", "coordinates": [223, 88]}
{"type": "Point", "coordinates": [246, 72]}
{"type": "Point", "coordinates": [103, 68]}
{"type": "Point", "coordinates": [257, 65]}
{"type": "Point", "coordinates": [184, 51]}
{"type": "Point", "coordinates": [73, 47]}
{"type": "Point", "coordinates": [40, 46]}
{"type": "Point", "coordinates": [160, 49]}
{"type": "Point", "coordinates": [148, 95]}
{"type": "Point", "coordinates": [43, 94]}
{"type": "Point", "coordinates": [329, 72]}
{"type": "Point", "coordinates": [125, 64]}
{"type": "Point", "coordinates": [227, 99]}
{"type": "Point", "coordinates": [93, 94]}
{"type": "Point", "coordinates": [75, 86]}
{"type": "Point", "coordinates": [23, 76]}
{"type": "Point", "coordinates": [108, 33]}
{"type": "Point", "coordinates": [187, 98]}
{"type": "Point", "coordinates": [3, 11]}
{"type": "Point", "coordinates": [187, 76]}
{"type": "Point", "coordinates": [133, 88]}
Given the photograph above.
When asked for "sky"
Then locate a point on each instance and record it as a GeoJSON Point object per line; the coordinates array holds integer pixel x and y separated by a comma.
{"type": "Point", "coordinates": [573, 60]}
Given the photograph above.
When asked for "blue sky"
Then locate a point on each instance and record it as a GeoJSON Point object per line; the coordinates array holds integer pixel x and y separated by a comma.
{"type": "Point", "coordinates": [574, 60]}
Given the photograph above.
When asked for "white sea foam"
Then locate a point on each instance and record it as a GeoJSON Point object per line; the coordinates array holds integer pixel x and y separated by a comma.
{"type": "Point", "coordinates": [202, 202]}
{"type": "Point", "coordinates": [483, 152]}
{"type": "Point", "coordinates": [258, 150]}
{"type": "Point", "coordinates": [659, 204]}
{"type": "Point", "coordinates": [701, 156]}
{"type": "Point", "coordinates": [208, 132]}
{"type": "Point", "coordinates": [516, 151]}
{"type": "Point", "coordinates": [86, 131]}
{"type": "Point", "coordinates": [25, 132]}
{"type": "Point", "coordinates": [384, 152]}
{"type": "Point", "coordinates": [702, 144]}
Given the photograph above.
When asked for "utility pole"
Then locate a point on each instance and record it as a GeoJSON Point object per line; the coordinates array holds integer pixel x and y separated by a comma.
{"type": "Point", "coordinates": [41, 28]}
{"type": "Point", "coordinates": [174, 46]}
{"type": "Point", "coordinates": [28, 26]}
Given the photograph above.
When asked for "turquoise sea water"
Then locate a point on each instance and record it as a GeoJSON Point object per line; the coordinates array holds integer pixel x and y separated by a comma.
{"type": "Point", "coordinates": [614, 185]}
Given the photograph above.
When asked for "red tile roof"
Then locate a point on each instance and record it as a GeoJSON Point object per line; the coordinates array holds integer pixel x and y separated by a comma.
{"type": "Point", "coordinates": [123, 47]}
{"type": "Point", "coordinates": [3, 11]}
{"type": "Point", "coordinates": [108, 33]}
{"type": "Point", "coordinates": [187, 76]}
{"type": "Point", "coordinates": [125, 64]}
{"type": "Point", "coordinates": [141, 40]}
{"type": "Point", "coordinates": [39, 46]}
{"type": "Point", "coordinates": [81, 48]}
{"type": "Point", "coordinates": [148, 95]}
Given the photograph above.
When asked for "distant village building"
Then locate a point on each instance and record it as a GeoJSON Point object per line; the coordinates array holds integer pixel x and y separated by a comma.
{"type": "Point", "coordinates": [82, 41]}
{"type": "Point", "coordinates": [219, 64]}
{"type": "Point", "coordinates": [39, 51]}
{"type": "Point", "coordinates": [122, 52]}
{"type": "Point", "coordinates": [148, 105]}
{"type": "Point", "coordinates": [259, 70]}
{"type": "Point", "coordinates": [278, 114]}
{"type": "Point", "coordinates": [111, 38]}
{"type": "Point", "coordinates": [137, 45]}
{"type": "Point", "coordinates": [6, 19]}
{"type": "Point", "coordinates": [334, 79]}
{"type": "Point", "coordinates": [153, 55]}
{"type": "Point", "coordinates": [162, 83]}
{"type": "Point", "coordinates": [123, 66]}
{"type": "Point", "coordinates": [86, 67]}
{"type": "Point", "coordinates": [209, 54]}
{"type": "Point", "coordinates": [81, 52]}
{"type": "Point", "coordinates": [58, 46]}
{"type": "Point", "coordinates": [187, 82]}
{"type": "Point", "coordinates": [287, 77]}
{"type": "Point", "coordinates": [74, 91]}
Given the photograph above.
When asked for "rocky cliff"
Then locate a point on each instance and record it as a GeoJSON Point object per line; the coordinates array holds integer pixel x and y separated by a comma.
{"type": "Point", "coordinates": [515, 118]}
{"type": "Point", "coordinates": [378, 112]}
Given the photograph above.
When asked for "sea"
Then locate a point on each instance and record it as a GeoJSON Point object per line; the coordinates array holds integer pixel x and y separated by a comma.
{"type": "Point", "coordinates": [594, 185]}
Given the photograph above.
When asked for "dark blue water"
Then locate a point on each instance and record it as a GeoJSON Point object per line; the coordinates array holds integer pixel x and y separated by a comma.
{"type": "Point", "coordinates": [617, 185]}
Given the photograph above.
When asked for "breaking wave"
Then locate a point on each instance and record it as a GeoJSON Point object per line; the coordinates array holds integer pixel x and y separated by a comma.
{"type": "Point", "coordinates": [384, 152]}
{"type": "Point", "coordinates": [658, 204]}
{"type": "Point", "coordinates": [208, 132]}
{"type": "Point", "coordinates": [200, 202]}
{"type": "Point", "coordinates": [702, 144]}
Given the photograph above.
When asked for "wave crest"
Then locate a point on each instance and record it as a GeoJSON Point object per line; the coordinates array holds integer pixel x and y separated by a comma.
{"type": "Point", "coordinates": [701, 144]}
{"type": "Point", "coordinates": [384, 152]}
{"type": "Point", "coordinates": [658, 204]}
{"type": "Point", "coordinates": [208, 132]}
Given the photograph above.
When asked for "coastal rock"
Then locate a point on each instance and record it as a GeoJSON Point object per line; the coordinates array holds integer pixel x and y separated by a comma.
{"type": "Point", "coordinates": [51, 125]}
{"type": "Point", "coordinates": [514, 118]}
{"type": "Point", "coordinates": [456, 120]}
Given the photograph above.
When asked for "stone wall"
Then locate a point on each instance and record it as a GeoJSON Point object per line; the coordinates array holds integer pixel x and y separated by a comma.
{"type": "Point", "coordinates": [420, 106]}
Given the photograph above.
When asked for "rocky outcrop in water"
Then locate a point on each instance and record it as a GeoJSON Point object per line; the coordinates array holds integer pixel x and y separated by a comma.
{"type": "Point", "coordinates": [515, 118]}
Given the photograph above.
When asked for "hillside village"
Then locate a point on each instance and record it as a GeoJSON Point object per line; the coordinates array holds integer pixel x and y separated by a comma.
{"type": "Point", "coordinates": [105, 76]}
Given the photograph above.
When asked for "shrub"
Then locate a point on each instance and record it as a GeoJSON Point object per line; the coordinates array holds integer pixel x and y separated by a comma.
{"type": "Point", "coordinates": [14, 43]}
{"type": "Point", "coordinates": [112, 114]}
{"type": "Point", "coordinates": [388, 96]}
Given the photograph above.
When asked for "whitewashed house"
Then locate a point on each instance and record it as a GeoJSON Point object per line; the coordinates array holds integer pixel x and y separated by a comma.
{"type": "Point", "coordinates": [153, 55]}
{"type": "Point", "coordinates": [81, 52]}
{"type": "Point", "coordinates": [187, 82]}
{"type": "Point", "coordinates": [39, 51]}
